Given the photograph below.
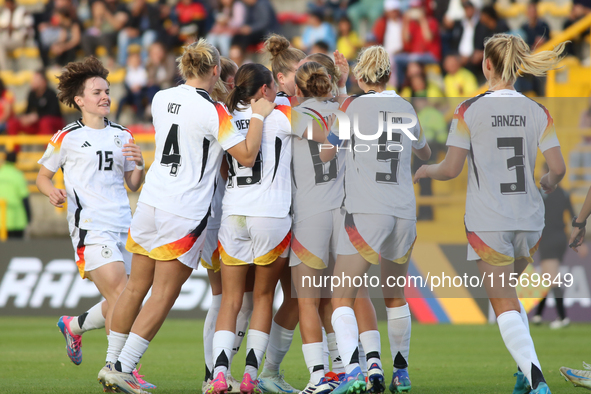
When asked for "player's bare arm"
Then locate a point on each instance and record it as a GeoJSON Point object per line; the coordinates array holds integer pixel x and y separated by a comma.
{"type": "Point", "coordinates": [57, 197]}
{"type": "Point", "coordinates": [134, 178]}
{"type": "Point", "coordinates": [577, 236]}
{"type": "Point", "coordinates": [556, 168]}
{"type": "Point", "coordinates": [246, 151]}
{"type": "Point", "coordinates": [448, 169]}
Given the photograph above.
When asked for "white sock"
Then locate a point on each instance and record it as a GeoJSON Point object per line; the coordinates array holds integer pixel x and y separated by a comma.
{"type": "Point", "coordinates": [209, 330]}
{"type": "Point", "coordinates": [256, 344]}
{"type": "Point", "coordinates": [222, 348]}
{"type": "Point", "coordinates": [91, 320]}
{"type": "Point", "coordinates": [347, 335]}
{"type": "Point", "coordinates": [399, 327]}
{"type": "Point", "coordinates": [337, 363]}
{"type": "Point", "coordinates": [362, 358]}
{"type": "Point", "coordinates": [524, 317]}
{"type": "Point", "coordinates": [116, 342]}
{"type": "Point", "coordinates": [372, 346]}
{"type": "Point", "coordinates": [279, 342]}
{"type": "Point", "coordinates": [314, 357]}
{"type": "Point", "coordinates": [134, 349]}
{"type": "Point", "coordinates": [325, 352]}
{"type": "Point", "coordinates": [241, 324]}
{"type": "Point", "coordinates": [519, 343]}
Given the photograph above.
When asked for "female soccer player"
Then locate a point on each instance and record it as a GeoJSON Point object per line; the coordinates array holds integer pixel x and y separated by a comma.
{"type": "Point", "coordinates": [501, 131]}
{"type": "Point", "coordinates": [284, 63]}
{"type": "Point", "coordinates": [169, 226]}
{"type": "Point", "coordinates": [97, 158]}
{"type": "Point", "coordinates": [256, 226]}
{"type": "Point", "coordinates": [380, 222]}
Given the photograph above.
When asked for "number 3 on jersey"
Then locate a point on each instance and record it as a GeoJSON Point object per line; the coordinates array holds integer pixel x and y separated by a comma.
{"type": "Point", "coordinates": [516, 163]}
{"type": "Point", "coordinates": [171, 154]}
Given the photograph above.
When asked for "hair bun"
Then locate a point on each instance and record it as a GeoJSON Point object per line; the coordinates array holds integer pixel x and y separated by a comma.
{"type": "Point", "coordinates": [276, 44]}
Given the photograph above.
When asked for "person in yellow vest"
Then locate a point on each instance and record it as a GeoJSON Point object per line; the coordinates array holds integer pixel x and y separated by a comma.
{"type": "Point", "coordinates": [14, 190]}
{"type": "Point", "coordinates": [459, 81]}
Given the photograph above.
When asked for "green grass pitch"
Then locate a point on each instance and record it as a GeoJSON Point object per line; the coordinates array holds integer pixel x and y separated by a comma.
{"type": "Point", "coordinates": [443, 358]}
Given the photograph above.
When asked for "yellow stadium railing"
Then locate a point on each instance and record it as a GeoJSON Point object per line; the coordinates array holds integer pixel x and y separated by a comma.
{"type": "Point", "coordinates": [3, 228]}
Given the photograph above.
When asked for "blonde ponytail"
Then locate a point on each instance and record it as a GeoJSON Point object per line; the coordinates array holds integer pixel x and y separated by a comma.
{"type": "Point", "coordinates": [198, 59]}
{"type": "Point", "coordinates": [511, 56]}
{"type": "Point", "coordinates": [373, 66]}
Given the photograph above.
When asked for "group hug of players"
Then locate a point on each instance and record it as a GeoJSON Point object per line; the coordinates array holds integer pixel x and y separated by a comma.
{"type": "Point", "coordinates": [246, 185]}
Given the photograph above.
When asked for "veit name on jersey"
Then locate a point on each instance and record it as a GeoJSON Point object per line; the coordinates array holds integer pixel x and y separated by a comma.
{"type": "Point", "coordinates": [173, 108]}
{"type": "Point", "coordinates": [508, 120]}
{"type": "Point", "coordinates": [242, 124]}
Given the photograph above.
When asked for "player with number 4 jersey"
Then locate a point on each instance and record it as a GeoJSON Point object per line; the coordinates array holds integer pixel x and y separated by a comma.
{"type": "Point", "coordinates": [500, 132]}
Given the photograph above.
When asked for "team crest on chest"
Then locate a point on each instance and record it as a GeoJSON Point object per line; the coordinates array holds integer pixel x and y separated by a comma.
{"type": "Point", "coordinates": [118, 142]}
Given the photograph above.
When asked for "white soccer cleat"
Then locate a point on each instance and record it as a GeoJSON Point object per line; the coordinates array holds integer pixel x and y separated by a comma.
{"type": "Point", "coordinates": [109, 366]}
{"type": "Point", "coordinates": [577, 377]}
{"type": "Point", "coordinates": [322, 387]}
{"type": "Point", "coordinates": [275, 383]}
{"type": "Point", "coordinates": [122, 382]}
{"type": "Point", "coordinates": [558, 324]}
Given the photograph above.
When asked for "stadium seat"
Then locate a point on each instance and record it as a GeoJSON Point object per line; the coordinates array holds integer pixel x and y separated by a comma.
{"type": "Point", "coordinates": [510, 10]}
{"type": "Point", "coordinates": [292, 17]}
{"type": "Point", "coordinates": [553, 9]}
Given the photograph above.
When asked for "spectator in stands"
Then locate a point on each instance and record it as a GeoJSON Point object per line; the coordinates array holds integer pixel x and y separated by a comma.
{"type": "Point", "coordinates": [458, 36]}
{"type": "Point", "coordinates": [108, 18]}
{"type": "Point", "coordinates": [191, 16]}
{"type": "Point", "coordinates": [416, 83]}
{"type": "Point", "coordinates": [43, 114]}
{"type": "Point", "coordinates": [15, 28]}
{"type": "Point", "coordinates": [15, 192]}
{"type": "Point", "coordinates": [136, 81]}
{"type": "Point", "coordinates": [62, 40]}
{"type": "Point", "coordinates": [260, 22]}
{"type": "Point", "coordinates": [331, 9]}
{"type": "Point", "coordinates": [348, 41]}
{"type": "Point", "coordinates": [142, 28]}
{"type": "Point", "coordinates": [317, 29]}
{"type": "Point", "coordinates": [387, 30]}
{"type": "Point", "coordinates": [320, 47]}
{"type": "Point", "coordinates": [490, 24]}
{"type": "Point", "coordinates": [580, 156]}
{"type": "Point", "coordinates": [420, 35]}
{"type": "Point", "coordinates": [47, 23]}
{"type": "Point", "coordinates": [162, 72]}
{"type": "Point", "coordinates": [370, 10]}
{"type": "Point", "coordinates": [458, 81]}
{"type": "Point", "coordinates": [581, 8]}
{"type": "Point", "coordinates": [230, 16]}
{"type": "Point", "coordinates": [6, 106]}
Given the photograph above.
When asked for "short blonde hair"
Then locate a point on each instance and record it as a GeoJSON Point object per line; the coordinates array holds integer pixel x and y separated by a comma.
{"type": "Point", "coordinates": [198, 59]}
{"type": "Point", "coordinates": [510, 56]}
{"type": "Point", "coordinates": [373, 66]}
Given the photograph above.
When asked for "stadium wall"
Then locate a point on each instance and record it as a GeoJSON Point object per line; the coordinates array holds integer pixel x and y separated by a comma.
{"type": "Point", "coordinates": [40, 278]}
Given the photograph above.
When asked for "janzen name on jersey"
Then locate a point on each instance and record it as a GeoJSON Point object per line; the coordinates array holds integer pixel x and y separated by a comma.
{"type": "Point", "coordinates": [508, 120]}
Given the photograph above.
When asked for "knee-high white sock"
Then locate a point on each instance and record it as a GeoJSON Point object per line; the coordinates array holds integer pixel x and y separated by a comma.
{"type": "Point", "coordinates": [134, 349]}
{"type": "Point", "coordinates": [347, 335]}
{"type": "Point", "coordinates": [362, 358]}
{"type": "Point", "coordinates": [279, 342]}
{"type": "Point", "coordinates": [208, 332]}
{"type": "Point", "coordinates": [222, 349]}
{"type": "Point", "coordinates": [372, 347]}
{"type": "Point", "coordinates": [325, 352]}
{"type": "Point", "coordinates": [314, 357]}
{"type": "Point", "coordinates": [519, 343]}
{"type": "Point", "coordinates": [337, 363]}
{"type": "Point", "coordinates": [399, 327]}
{"type": "Point", "coordinates": [256, 345]}
{"type": "Point", "coordinates": [524, 317]}
{"type": "Point", "coordinates": [89, 320]}
{"type": "Point", "coordinates": [241, 324]}
{"type": "Point", "coordinates": [116, 342]}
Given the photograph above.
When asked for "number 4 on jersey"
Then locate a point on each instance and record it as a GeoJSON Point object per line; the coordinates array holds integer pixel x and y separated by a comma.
{"type": "Point", "coordinates": [171, 155]}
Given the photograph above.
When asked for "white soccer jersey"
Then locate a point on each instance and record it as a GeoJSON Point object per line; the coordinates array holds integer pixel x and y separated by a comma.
{"type": "Point", "coordinates": [265, 189]}
{"type": "Point", "coordinates": [502, 130]}
{"type": "Point", "coordinates": [378, 177]}
{"type": "Point", "coordinates": [317, 186]}
{"type": "Point", "coordinates": [191, 133]}
{"type": "Point", "coordinates": [94, 166]}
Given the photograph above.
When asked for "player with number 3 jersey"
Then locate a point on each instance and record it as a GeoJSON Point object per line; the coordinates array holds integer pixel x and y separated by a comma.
{"type": "Point", "coordinates": [500, 132]}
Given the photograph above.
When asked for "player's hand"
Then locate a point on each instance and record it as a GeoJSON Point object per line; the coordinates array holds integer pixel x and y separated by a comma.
{"type": "Point", "coordinates": [132, 152]}
{"type": "Point", "coordinates": [57, 197]}
{"type": "Point", "coordinates": [421, 173]}
{"type": "Point", "coordinates": [343, 65]}
{"type": "Point", "coordinates": [577, 236]}
{"type": "Point", "coordinates": [546, 186]}
{"type": "Point", "coordinates": [262, 107]}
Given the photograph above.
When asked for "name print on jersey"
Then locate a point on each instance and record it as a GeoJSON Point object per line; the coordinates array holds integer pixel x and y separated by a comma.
{"type": "Point", "coordinates": [508, 120]}
{"type": "Point", "coordinates": [173, 108]}
{"type": "Point", "coordinates": [242, 124]}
